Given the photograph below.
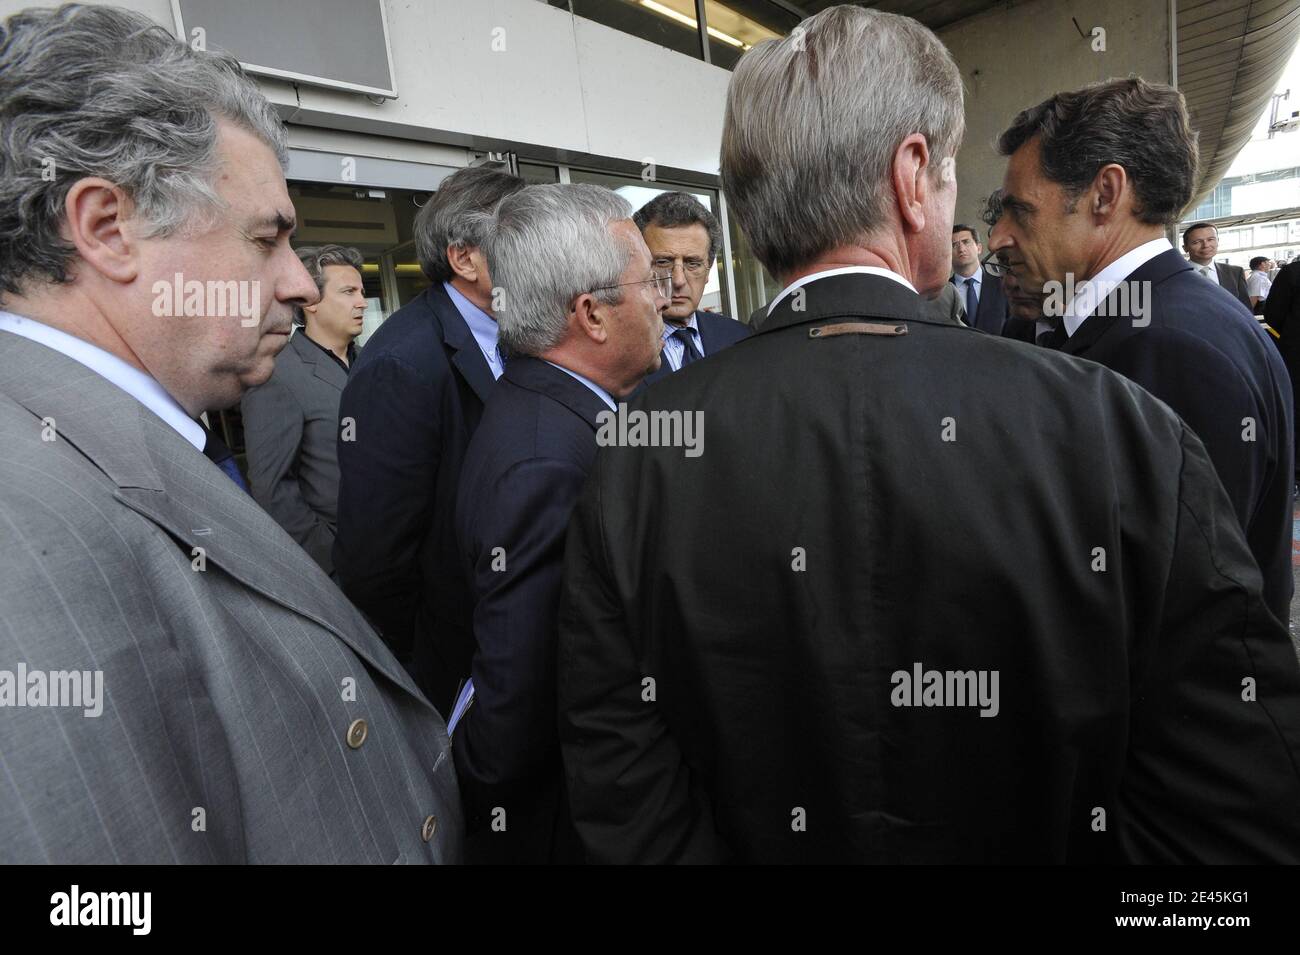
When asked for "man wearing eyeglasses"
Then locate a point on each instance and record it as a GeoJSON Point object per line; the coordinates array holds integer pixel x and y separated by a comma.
{"type": "Point", "coordinates": [684, 238]}
{"type": "Point", "coordinates": [986, 306]}
{"type": "Point", "coordinates": [579, 317]}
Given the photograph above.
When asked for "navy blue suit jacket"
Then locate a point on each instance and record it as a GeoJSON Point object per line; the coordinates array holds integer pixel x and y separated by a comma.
{"type": "Point", "coordinates": [522, 475]}
{"type": "Point", "coordinates": [717, 332]}
{"type": "Point", "coordinates": [1206, 357]}
{"type": "Point", "coordinates": [993, 310]}
{"type": "Point", "coordinates": [415, 396]}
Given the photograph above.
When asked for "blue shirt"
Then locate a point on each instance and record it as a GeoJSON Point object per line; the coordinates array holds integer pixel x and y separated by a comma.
{"type": "Point", "coordinates": [482, 325]}
{"type": "Point", "coordinates": [595, 389]}
{"type": "Point", "coordinates": [673, 347]}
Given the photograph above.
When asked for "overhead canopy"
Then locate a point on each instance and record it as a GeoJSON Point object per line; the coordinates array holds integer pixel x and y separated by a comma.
{"type": "Point", "coordinates": [1231, 54]}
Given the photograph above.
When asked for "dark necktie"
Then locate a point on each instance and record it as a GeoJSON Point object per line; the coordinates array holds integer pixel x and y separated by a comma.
{"type": "Point", "coordinates": [1053, 338]}
{"type": "Point", "coordinates": [689, 352]}
{"type": "Point", "coordinates": [222, 457]}
{"type": "Point", "coordinates": [971, 302]}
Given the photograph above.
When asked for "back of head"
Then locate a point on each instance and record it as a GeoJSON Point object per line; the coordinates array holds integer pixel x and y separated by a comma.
{"type": "Point", "coordinates": [812, 124]}
{"type": "Point", "coordinates": [547, 245]}
{"type": "Point", "coordinates": [101, 91]}
{"type": "Point", "coordinates": [1140, 126]}
{"type": "Point", "coordinates": [453, 215]}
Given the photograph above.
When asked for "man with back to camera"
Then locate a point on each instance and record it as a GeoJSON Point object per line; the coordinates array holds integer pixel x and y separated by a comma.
{"type": "Point", "coordinates": [758, 661]}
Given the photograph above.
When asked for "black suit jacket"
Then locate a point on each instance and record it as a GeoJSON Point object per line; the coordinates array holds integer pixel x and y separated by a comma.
{"type": "Point", "coordinates": [522, 474]}
{"type": "Point", "coordinates": [1232, 279]}
{"type": "Point", "coordinates": [716, 332]}
{"type": "Point", "coordinates": [993, 310]}
{"type": "Point", "coordinates": [415, 396]}
{"type": "Point", "coordinates": [773, 587]}
{"type": "Point", "coordinates": [1207, 358]}
{"type": "Point", "coordinates": [1282, 313]}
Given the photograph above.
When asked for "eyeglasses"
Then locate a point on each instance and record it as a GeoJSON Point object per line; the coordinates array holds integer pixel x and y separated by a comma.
{"type": "Point", "coordinates": [994, 267]}
{"type": "Point", "coordinates": [663, 284]}
{"type": "Point", "coordinates": [689, 266]}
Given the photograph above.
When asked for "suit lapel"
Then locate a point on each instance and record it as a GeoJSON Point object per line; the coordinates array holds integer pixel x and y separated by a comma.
{"type": "Point", "coordinates": [321, 365]}
{"type": "Point", "coordinates": [162, 477]}
{"type": "Point", "coordinates": [1154, 271]}
{"type": "Point", "coordinates": [466, 355]}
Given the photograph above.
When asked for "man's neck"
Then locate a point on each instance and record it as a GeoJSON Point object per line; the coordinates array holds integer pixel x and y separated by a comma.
{"type": "Point", "coordinates": [1119, 245]}
{"type": "Point", "coordinates": [471, 293]}
{"type": "Point", "coordinates": [967, 271]}
{"type": "Point", "coordinates": [679, 322]}
{"type": "Point", "coordinates": [1201, 262]}
{"type": "Point", "coordinates": [872, 254]}
{"type": "Point", "coordinates": [571, 358]}
{"type": "Point", "coordinates": [337, 345]}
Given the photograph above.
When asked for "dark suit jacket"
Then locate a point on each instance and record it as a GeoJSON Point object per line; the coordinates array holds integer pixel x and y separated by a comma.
{"type": "Point", "coordinates": [522, 474]}
{"type": "Point", "coordinates": [774, 587]}
{"type": "Point", "coordinates": [415, 394]}
{"type": "Point", "coordinates": [1232, 278]}
{"type": "Point", "coordinates": [716, 332]}
{"type": "Point", "coordinates": [1282, 313]}
{"type": "Point", "coordinates": [993, 309]}
{"type": "Point", "coordinates": [1208, 359]}
{"type": "Point", "coordinates": [291, 428]}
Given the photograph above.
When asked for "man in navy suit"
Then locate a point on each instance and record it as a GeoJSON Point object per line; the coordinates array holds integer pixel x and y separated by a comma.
{"type": "Point", "coordinates": [980, 294]}
{"type": "Point", "coordinates": [684, 238]}
{"type": "Point", "coordinates": [1094, 178]}
{"type": "Point", "coordinates": [412, 401]}
{"type": "Point", "coordinates": [580, 318]}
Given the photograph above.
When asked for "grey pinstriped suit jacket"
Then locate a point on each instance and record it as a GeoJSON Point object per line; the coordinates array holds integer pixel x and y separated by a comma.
{"type": "Point", "coordinates": [224, 688]}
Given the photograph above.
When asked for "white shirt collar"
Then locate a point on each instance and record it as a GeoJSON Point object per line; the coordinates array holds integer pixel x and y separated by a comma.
{"type": "Point", "coordinates": [1090, 293]}
{"type": "Point", "coordinates": [669, 327]}
{"type": "Point", "coordinates": [846, 270]}
{"type": "Point", "coordinates": [132, 380]}
{"type": "Point", "coordinates": [959, 280]}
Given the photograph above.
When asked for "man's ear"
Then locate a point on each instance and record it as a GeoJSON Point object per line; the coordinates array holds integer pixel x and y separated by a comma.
{"type": "Point", "coordinates": [98, 225]}
{"type": "Point", "coordinates": [590, 321]}
{"type": "Point", "coordinates": [1110, 187]}
{"type": "Point", "coordinates": [461, 260]}
{"type": "Point", "coordinates": [911, 175]}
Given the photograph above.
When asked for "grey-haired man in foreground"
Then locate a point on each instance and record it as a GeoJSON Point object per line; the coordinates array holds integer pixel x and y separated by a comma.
{"type": "Point", "coordinates": [194, 687]}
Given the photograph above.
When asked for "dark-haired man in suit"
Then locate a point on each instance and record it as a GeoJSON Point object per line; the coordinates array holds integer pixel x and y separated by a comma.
{"type": "Point", "coordinates": [980, 294]}
{"type": "Point", "coordinates": [1201, 243]}
{"type": "Point", "coordinates": [684, 238]}
{"type": "Point", "coordinates": [1094, 177]}
{"type": "Point", "coordinates": [414, 398]}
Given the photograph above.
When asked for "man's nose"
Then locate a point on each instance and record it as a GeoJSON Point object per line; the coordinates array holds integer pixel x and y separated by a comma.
{"type": "Point", "coordinates": [998, 238]}
{"type": "Point", "coordinates": [296, 284]}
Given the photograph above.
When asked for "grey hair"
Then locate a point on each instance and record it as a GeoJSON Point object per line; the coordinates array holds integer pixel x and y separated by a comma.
{"type": "Point", "coordinates": [670, 210]}
{"type": "Point", "coordinates": [453, 215]}
{"type": "Point", "coordinates": [813, 121]}
{"type": "Point", "coordinates": [545, 246]}
{"type": "Point", "coordinates": [315, 259]}
{"type": "Point", "coordinates": [101, 91]}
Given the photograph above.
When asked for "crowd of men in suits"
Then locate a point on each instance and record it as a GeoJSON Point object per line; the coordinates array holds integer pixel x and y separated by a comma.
{"type": "Point", "coordinates": [1007, 589]}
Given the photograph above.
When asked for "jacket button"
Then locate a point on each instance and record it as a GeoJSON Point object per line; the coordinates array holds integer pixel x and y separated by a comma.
{"type": "Point", "coordinates": [357, 734]}
{"type": "Point", "coordinates": [429, 828]}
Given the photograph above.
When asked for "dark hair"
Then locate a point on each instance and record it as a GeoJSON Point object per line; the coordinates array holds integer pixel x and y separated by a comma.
{"type": "Point", "coordinates": [315, 258]}
{"type": "Point", "coordinates": [958, 227]}
{"type": "Point", "coordinates": [451, 216]}
{"type": "Point", "coordinates": [1257, 261]}
{"type": "Point", "coordinates": [671, 210]}
{"type": "Point", "coordinates": [1198, 225]}
{"type": "Point", "coordinates": [1138, 125]}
